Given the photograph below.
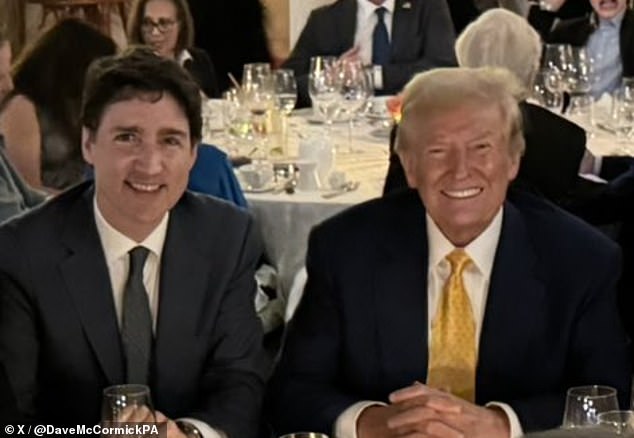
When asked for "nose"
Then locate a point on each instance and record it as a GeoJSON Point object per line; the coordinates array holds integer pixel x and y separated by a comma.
{"type": "Point", "coordinates": [460, 163]}
{"type": "Point", "coordinates": [149, 160]}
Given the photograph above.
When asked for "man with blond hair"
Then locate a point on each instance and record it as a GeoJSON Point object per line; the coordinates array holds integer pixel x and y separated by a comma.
{"type": "Point", "coordinates": [452, 309]}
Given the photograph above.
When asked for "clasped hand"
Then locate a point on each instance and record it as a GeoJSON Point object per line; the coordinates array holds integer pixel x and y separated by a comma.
{"type": "Point", "coordinates": [419, 411]}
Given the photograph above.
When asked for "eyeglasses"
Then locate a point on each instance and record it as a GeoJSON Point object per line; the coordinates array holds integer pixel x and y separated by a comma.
{"type": "Point", "coordinates": [163, 25]}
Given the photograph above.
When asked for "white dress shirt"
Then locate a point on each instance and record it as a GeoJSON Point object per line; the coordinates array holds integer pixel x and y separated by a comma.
{"type": "Point", "coordinates": [366, 20]}
{"type": "Point", "coordinates": [116, 247]}
{"type": "Point", "coordinates": [476, 277]}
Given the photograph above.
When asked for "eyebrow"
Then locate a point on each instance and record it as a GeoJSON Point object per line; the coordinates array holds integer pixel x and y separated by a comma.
{"type": "Point", "coordinates": [172, 131]}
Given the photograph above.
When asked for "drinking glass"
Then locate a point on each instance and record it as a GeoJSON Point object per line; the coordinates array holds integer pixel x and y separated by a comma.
{"type": "Point", "coordinates": [585, 403]}
{"type": "Point", "coordinates": [556, 60]}
{"type": "Point", "coordinates": [546, 90]}
{"type": "Point", "coordinates": [257, 96]}
{"type": "Point", "coordinates": [623, 113]}
{"type": "Point", "coordinates": [620, 423]}
{"type": "Point", "coordinates": [323, 87]}
{"type": "Point", "coordinates": [579, 73]}
{"type": "Point", "coordinates": [354, 91]}
{"type": "Point", "coordinates": [581, 111]}
{"type": "Point", "coordinates": [285, 89]}
{"type": "Point", "coordinates": [121, 402]}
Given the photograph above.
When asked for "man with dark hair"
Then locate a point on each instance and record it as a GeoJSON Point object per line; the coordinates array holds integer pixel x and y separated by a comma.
{"type": "Point", "coordinates": [130, 279]}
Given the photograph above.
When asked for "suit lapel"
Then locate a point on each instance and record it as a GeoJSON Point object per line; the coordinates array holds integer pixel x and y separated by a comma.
{"type": "Point", "coordinates": [185, 273]}
{"type": "Point", "coordinates": [515, 296]}
{"type": "Point", "coordinates": [347, 24]}
{"type": "Point", "coordinates": [627, 43]}
{"type": "Point", "coordinates": [86, 278]}
{"type": "Point", "coordinates": [403, 25]}
{"type": "Point", "coordinates": [401, 296]}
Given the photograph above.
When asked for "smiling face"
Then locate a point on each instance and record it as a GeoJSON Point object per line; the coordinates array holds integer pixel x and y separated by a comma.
{"type": "Point", "coordinates": [460, 162]}
{"type": "Point", "coordinates": [163, 35]}
{"type": "Point", "coordinates": [142, 154]}
{"type": "Point", "coordinates": [607, 9]}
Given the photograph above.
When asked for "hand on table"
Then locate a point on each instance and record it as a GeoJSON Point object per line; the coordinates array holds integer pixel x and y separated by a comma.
{"type": "Point", "coordinates": [142, 414]}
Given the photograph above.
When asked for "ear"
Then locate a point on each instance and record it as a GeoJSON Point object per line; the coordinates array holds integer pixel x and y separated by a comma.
{"type": "Point", "coordinates": [87, 144]}
{"type": "Point", "coordinates": [409, 161]}
{"type": "Point", "coordinates": [514, 166]}
{"type": "Point", "coordinates": [194, 154]}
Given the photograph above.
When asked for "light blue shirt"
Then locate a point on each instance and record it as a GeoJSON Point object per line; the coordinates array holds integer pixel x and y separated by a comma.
{"type": "Point", "coordinates": [605, 49]}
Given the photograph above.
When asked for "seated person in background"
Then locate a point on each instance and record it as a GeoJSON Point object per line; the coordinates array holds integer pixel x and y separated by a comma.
{"type": "Point", "coordinates": [467, 292]}
{"type": "Point", "coordinates": [213, 175]}
{"type": "Point", "coordinates": [232, 33]}
{"type": "Point", "coordinates": [554, 145]}
{"type": "Point", "coordinates": [167, 27]}
{"type": "Point", "coordinates": [40, 117]}
{"type": "Point", "coordinates": [15, 195]}
{"type": "Point", "coordinates": [608, 35]}
{"type": "Point", "coordinates": [397, 37]}
{"type": "Point", "coordinates": [543, 14]}
{"type": "Point", "coordinates": [6, 82]}
{"type": "Point", "coordinates": [183, 322]}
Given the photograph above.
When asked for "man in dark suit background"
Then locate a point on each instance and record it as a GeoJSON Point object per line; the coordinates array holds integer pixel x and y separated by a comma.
{"type": "Point", "coordinates": [419, 37]}
{"type": "Point", "coordinates": [543, 15]}
{"type": "Point", "coordinates": [531, 314]}
{"type": "Point", "coordinates": [183, 322]}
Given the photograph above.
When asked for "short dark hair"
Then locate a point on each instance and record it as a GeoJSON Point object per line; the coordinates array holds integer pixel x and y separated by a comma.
{"type": "Point", "coordinates": [138, 72]}
{"type": "Point", "coordinates": [183, 15]}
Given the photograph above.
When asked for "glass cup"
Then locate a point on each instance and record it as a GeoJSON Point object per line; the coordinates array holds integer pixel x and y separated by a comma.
{"type": "Point", "coordinates": [585, 403]}
{"type": "Point", "coordinates": [127, 403]}
{"type": "Point", "coordinates": [620, 423]}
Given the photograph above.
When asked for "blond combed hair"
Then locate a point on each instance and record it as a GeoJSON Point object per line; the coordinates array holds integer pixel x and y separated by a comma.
{"type": "Point", "coordinates": [441, 90]}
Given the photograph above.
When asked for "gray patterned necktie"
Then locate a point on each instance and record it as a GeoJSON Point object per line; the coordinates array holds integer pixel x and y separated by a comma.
{"type": "Point", "coordinates": [136, 327]}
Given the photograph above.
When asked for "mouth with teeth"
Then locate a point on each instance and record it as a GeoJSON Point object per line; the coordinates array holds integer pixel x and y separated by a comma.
{"type": "Point", "coordinates": [463, 193]}
{"type": "Point", "coordinates": [144, 187]}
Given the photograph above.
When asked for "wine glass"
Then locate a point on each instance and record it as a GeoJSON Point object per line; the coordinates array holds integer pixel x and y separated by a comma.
{"type": "Point", "coordinates": [126, 404]}
{"type": "Point", "coordinates": [323, 87]}
{"type": "Point", "coordinates": [546, 90]}
{"type": "Point", "coordinates": [620, 423]}
{"type": "Point", "coordinates": [285, 89]}
{"type": "Point", "coordinates": [354, 91]}
{"type": "Point", "coordinates": [257, 96]}
{"type": "Point", "coordinates": [556, 60]}
{"type": "Point", "coordinates": [585, 403]}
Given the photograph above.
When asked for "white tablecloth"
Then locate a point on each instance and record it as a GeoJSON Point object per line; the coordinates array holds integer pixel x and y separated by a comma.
{"type": "Point", "coordinates": [286, 219]}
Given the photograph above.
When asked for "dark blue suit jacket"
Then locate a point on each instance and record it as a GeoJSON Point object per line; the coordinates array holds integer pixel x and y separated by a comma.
{"type": "Point", "coordinates": [360, 331]}
{"type": "Point", "coordinates": [59, 337]}
{"type": "Point", "coordinates": [422, 38]}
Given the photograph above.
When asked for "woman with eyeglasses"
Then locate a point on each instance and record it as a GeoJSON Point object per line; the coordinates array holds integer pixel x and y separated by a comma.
{"type": "Point", "coordinates": [167, 27]}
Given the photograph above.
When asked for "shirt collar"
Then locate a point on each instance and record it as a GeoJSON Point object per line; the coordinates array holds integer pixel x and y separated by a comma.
{"type": "Point", "coordinates": [117, 244]}
{"type": "Point", "coordinates": [612, 22]}
{"type": "Point", "coordinates": [481, 250]}
{"type": "Point", "coordinates": [183, 56]}
{"type": "Point", "coordinates": [366, 8]}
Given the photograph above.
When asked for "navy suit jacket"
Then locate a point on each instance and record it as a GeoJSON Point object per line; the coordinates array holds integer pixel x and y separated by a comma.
{"type": "Point", "coordinates": [361, 332]}
{"type": "Point", "coordinates": [59, 337]}
{"type": "Point", "coordinates": [422, 38]}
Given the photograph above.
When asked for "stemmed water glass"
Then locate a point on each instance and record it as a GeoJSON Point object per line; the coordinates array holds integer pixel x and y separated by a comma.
{"type": "Point", "coordinates": [257, 95]}
{"type": "Point", "coordinates": [555, 65]}
{"type": "Point", "coordinates": [324, 84]}
{"type": "Point", "coordinates": [285, 91]}
{"type": "Point", "coordinates": [354, 91]}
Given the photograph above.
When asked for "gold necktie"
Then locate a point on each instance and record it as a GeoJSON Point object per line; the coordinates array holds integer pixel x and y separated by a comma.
{"type": "Point", "coordinates": [452, 357]}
